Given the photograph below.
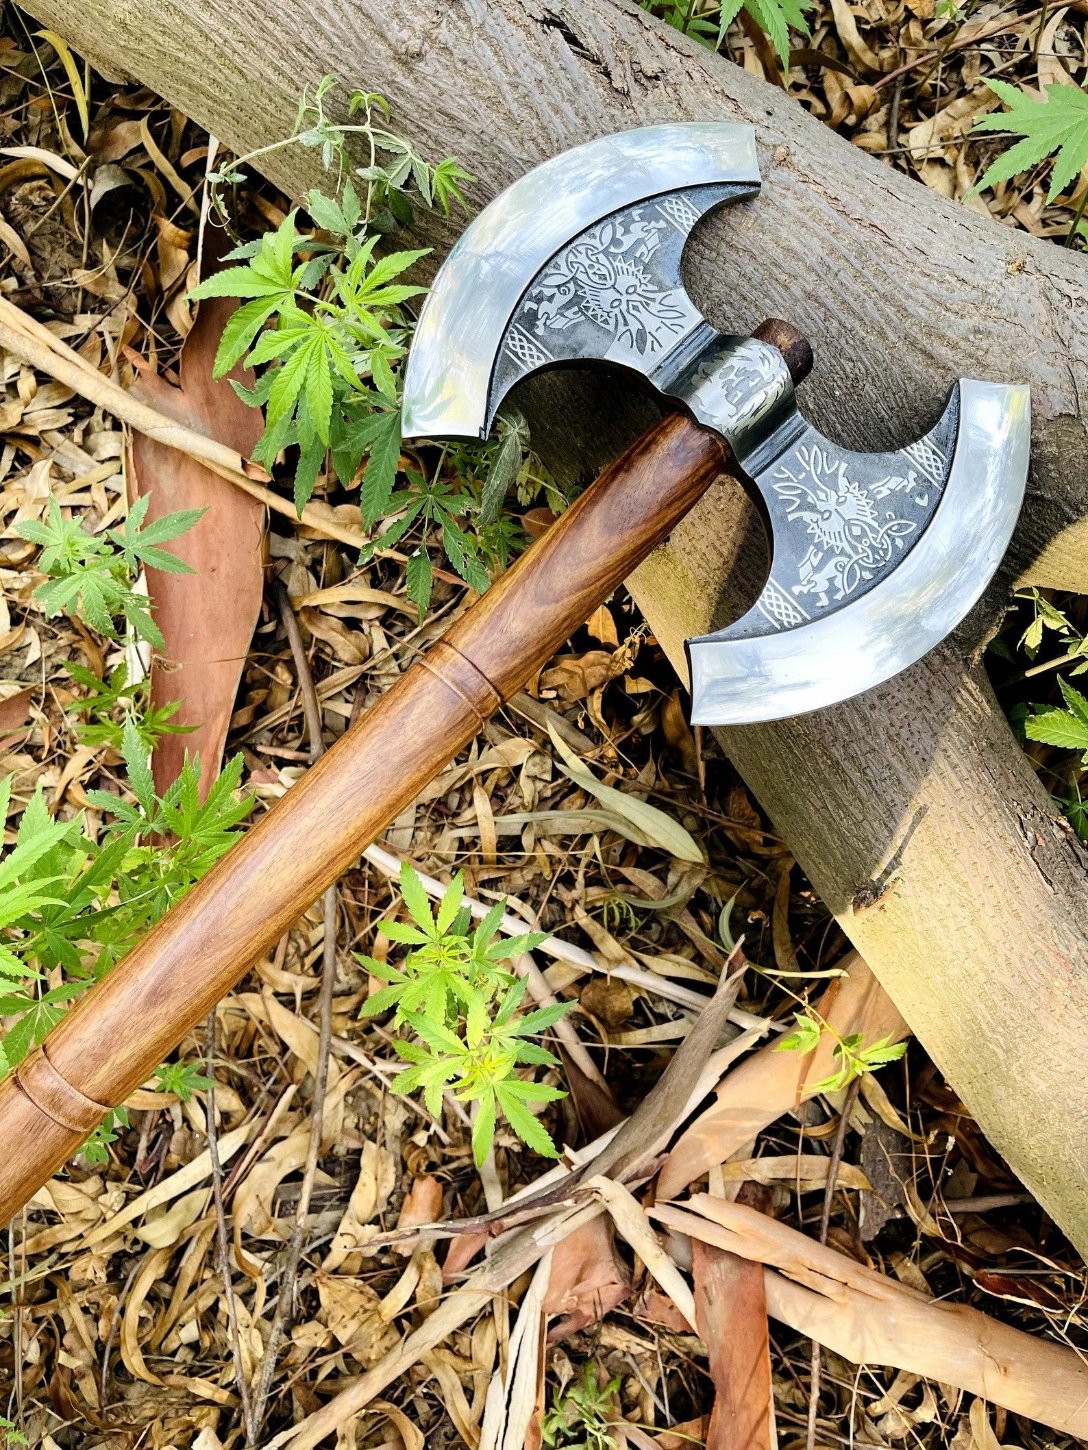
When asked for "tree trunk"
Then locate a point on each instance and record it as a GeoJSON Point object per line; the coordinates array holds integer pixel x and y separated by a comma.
{"type": "Point", "coordinates": [912, 808]}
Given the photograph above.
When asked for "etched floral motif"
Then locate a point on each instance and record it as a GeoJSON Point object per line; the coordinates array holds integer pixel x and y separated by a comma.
{"type": "Point", "coordinates": [853, 538]}
{"type": "Point", "coordinates": [604, 275]}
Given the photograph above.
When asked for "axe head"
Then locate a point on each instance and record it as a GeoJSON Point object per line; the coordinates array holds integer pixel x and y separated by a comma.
{"type": "Point", "coordinates": [875, 557]}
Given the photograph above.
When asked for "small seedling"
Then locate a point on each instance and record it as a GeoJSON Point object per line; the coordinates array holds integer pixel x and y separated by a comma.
{"type": "Point", "coordinates": [183, 1079]}
{"type": "Point", "coordinates": [581, 1416]}
{"type": "Point", "coordinates": [853, 1056]}
{"type": "Point", "coordinates": [461, 1006]}
{"type": "Point", "coordinates": [91, 575]}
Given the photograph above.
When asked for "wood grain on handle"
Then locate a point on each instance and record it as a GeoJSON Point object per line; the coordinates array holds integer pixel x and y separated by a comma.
{"type": "Point", "coordinates": [119, 1032]}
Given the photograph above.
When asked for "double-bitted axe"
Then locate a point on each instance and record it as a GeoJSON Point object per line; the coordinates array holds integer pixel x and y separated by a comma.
{"type": "Point", "coordinates": [874, 558]}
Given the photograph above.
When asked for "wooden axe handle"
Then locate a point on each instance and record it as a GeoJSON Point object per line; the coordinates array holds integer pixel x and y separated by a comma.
{"type": "Point", "coordinates": [120, 1030]}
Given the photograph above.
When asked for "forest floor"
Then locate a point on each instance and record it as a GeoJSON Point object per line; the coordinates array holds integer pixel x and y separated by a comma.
{"type": "Point", "coordinates": [119, 1328]}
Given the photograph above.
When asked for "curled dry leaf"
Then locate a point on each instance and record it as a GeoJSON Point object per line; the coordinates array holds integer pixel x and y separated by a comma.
{"type": "Point", "coordinates": [351, 1311]}
{"type": "Point", "coordinates": [207, 618]}
{"type": "Point", "coordinates": [869, 1318]}
{"type": "Point", "coordinates": [588, 1279]}
{"type": "Point", "coordinates": [422, 1204]}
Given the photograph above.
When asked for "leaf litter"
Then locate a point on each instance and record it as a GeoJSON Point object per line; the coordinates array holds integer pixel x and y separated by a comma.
{"type": "Point", "coordinates": [432, 1302]}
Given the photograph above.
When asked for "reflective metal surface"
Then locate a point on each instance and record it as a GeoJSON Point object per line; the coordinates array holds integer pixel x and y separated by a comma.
{"type": "Point", "coordinates": [780, 672]}
{"type": "Point", "coordinates": [875, 557]}
{"type": "Point", "coordinates": [448, 389]}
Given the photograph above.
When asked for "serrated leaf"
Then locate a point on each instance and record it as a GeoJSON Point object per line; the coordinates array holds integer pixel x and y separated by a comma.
{"type": "Point", "coordinates": [483, 1129]}
{"type": "Point", "coordinates": [241, 328]}
{"type": "Point", "coordinates": [1076, 703]}
{"type": "Point", "coordinates": [381, 468]}
{"type": "Point", "coordinates": [502, 474]}
{"type": "Point", "coordinates": [1056, 126]}
{"type": "Point", "coordinates": [1058, 727]}
{"type": "Point", "coordinates": [529, 1128]}
{"type": "Point", "coordinates": [419, 580]}
{"type": "Point", "coordinates": [415, 898]}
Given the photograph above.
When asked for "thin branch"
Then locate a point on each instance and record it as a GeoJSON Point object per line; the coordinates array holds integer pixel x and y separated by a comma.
{"type": "Point", "coordinates": [221, 1231]}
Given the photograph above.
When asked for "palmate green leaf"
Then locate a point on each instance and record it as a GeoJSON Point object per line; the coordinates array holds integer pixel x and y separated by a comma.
{"type": "Point", "coordinates": [416, 899]}
{"type": "Point", "coordinates": [138, 762]}
{"type": "Point", "coordinates": [1057, 126]}
{"type": "Point", "coordinates": [483, 1129]}
{"type": "Point", "coordinates": [240, 332]}
{"type": "Point", "coordinates": [450, 903]}
{"type": "Point", "coordinates": [1076, 703]}
{"type": "Point", "coordinates": [774, 17]}
{"type": "Point", "coordinates": [353, 437]}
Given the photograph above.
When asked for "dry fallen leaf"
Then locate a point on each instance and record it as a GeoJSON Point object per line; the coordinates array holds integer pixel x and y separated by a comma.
{"type": "Point", "coordinates": [207, 618]}
{"type": "Point", "coordinates": [351, 1310]}
{"type": "Point", "coordinates": [731, 1314]}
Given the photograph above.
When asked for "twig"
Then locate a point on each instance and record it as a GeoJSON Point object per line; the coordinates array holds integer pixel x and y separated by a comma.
{"type": "Point", "coordinates": [311, 706]}
{"type": "Point", "coordinates": [825, 1224]}
{"type": "Point", "coordinates": [221, 1231]}
{"type": "Point", "coordinates": [284, 1302]}
{"type": "Point", "coordinates": [995, 27]}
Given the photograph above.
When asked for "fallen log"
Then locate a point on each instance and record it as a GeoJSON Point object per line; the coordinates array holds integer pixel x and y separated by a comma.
{"type": "Point", "coordinates": [912, 809]}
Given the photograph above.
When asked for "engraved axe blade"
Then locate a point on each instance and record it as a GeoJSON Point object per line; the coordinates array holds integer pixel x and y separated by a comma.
{"type": "Point", "coordinates": [875, 557]}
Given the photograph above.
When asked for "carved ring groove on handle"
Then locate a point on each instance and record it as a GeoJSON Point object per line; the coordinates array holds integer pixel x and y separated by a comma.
{"type": "Point", "coordinates": [465, 678]}
{"type": "Point", "coordinates": [55, 1096]}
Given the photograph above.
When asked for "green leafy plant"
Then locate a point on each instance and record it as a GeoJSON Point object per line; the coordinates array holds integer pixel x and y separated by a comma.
{"type": "Point", "coordinates": [581, 1416]}
{"type": "Point", "coordinates": [1066, 728]}
{"type": "Point", "coordinates": [13, 1436]}
{"type": "Point", "coordinates": [325, 320]}
{"type": "Point", "coordinates": [111, 703]}
{"type": "Point", "coordinates": [462, 1008]}
{"type": "Point", "coordinates": [776, 18]}
{"type": "Point", "coordinates": [92, 575]}
{"type": "Point", "coordinates": [72, 904]}
{"type": "Point", "coordinates": [854, 1057]}
{"type": "Point", "coordinates": [184, 1079]}
{"type": "Point", "coordinates": [1056, 126]}
{"type": "Point", "coordinates": [1063, 726]}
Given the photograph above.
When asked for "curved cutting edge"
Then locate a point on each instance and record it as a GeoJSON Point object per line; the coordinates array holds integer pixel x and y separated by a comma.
{"type": "Point", "coordinates": [476, 291]}
{"type": "Point", "coordinates": [771, 676]}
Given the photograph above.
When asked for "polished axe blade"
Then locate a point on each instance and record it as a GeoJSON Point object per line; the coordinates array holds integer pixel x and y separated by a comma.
{"type": "Point", "coordinates": [875, 557]}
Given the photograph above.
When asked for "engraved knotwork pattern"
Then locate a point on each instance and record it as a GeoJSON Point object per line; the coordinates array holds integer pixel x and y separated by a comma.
{"type": "Point", "coordinates": [525, 349]}
{"type": "Point", "coordinates": [855, 529]}
{"type": "Point", "coordinates": [780, 609]}
{"type": "Point", "coordinates": [607, 275]}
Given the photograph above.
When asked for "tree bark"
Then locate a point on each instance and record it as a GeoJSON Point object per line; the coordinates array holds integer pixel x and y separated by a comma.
{"type": "Point", "coordinates": [912, 809]}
